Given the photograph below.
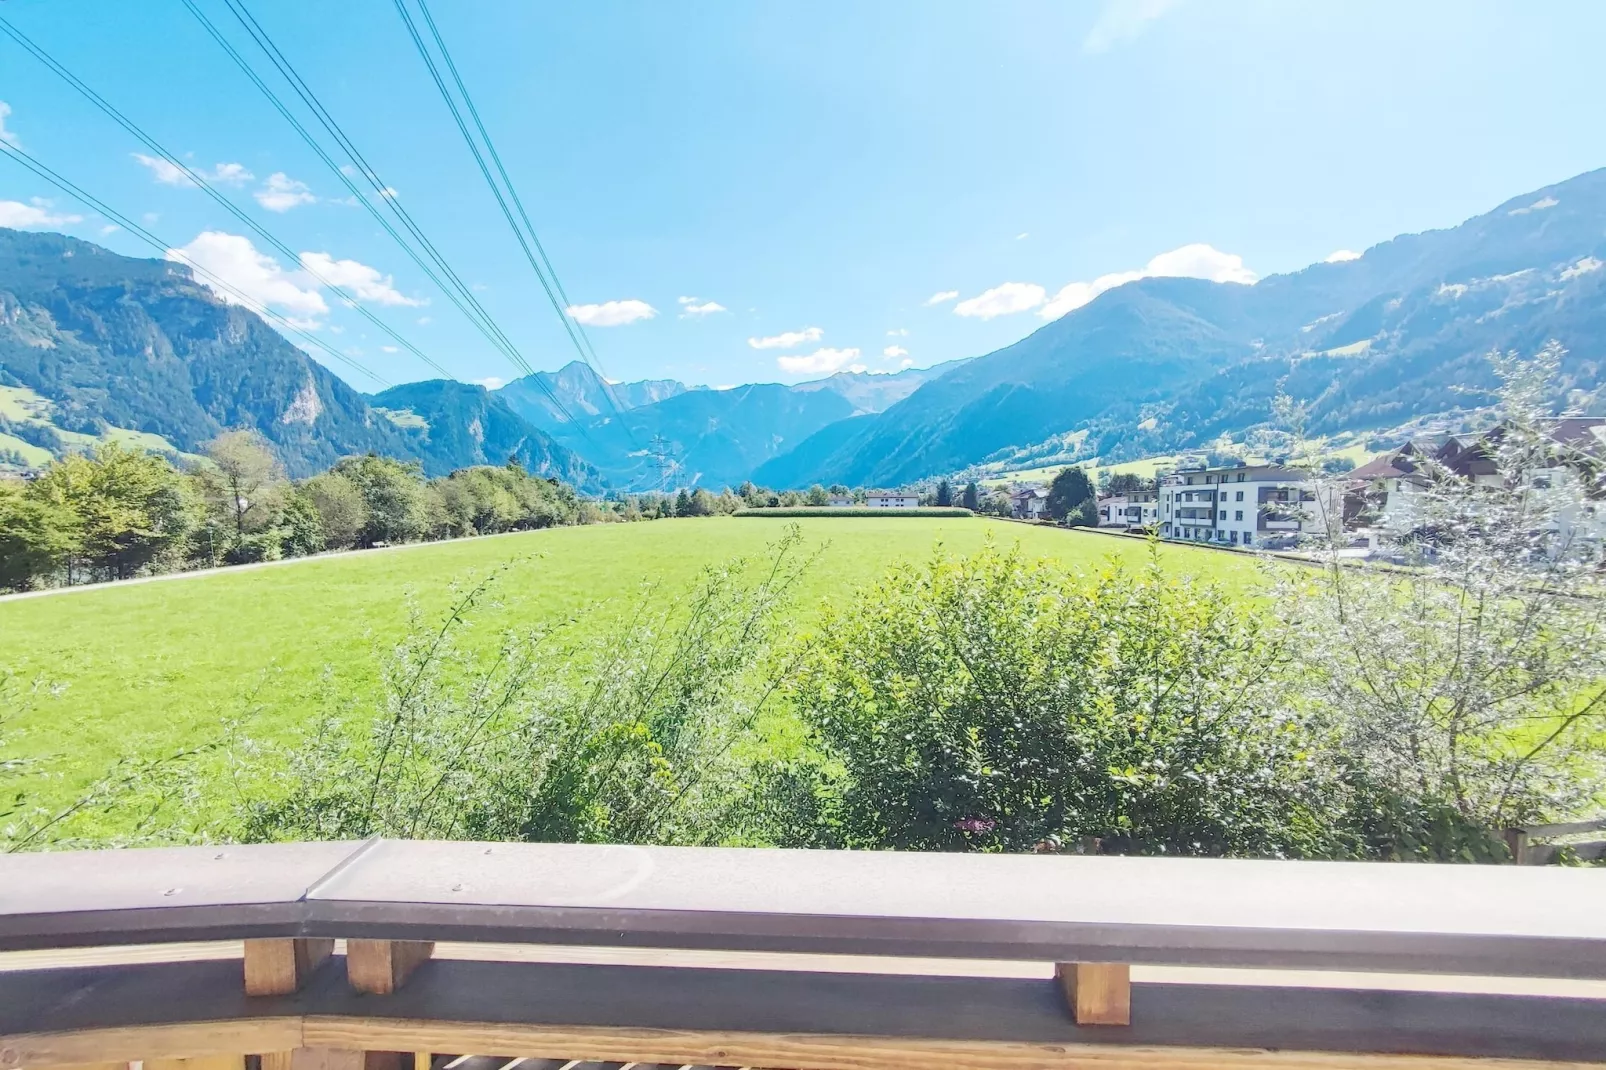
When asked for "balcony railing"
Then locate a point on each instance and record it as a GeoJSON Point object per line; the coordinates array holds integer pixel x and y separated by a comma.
{"type": "Point", "coordinates": [683, 957]}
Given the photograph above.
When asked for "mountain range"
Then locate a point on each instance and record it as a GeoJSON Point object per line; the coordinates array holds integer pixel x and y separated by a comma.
{"type": "Point", "coordinates": [1162, 364]}
{"type": "Point", "coordinates": [93, 344]}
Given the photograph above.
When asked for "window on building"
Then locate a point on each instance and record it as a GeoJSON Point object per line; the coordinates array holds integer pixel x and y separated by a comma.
{"type": "Point", "coordinates": [1235, 538]}
{"type": "Point", "coordinates": [1240, 477]}
{"type": "Point", "coordinates": [1237, 514]}
{"type": "Point", "coordinates": [1222, 515]}
{"type": "Point", "coordinates": [1247, 540]}
{"type": "Point", "coordinates": [1240, 496]}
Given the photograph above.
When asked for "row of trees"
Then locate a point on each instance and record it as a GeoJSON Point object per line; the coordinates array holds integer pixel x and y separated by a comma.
{"type": "Point", "coordinates": [119, 512]}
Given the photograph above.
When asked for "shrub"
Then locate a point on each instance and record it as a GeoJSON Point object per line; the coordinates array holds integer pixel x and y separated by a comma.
{"type": "Point", "coordinates": [629, 739]}
{"type": "Point", "coordinates": [985, 703]}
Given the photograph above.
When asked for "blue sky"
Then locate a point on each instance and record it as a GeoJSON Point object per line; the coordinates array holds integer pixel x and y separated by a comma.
{"type": "Point", "coordinates": [817, 173]}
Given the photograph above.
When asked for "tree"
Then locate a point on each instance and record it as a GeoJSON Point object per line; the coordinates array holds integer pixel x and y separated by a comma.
{"type": "Point", "coordinates": [1129, 483]}
{"type": "Point", "coordinates": [817, 496]}
{"type": "Point", "coordinates": [945, 493]}
{"type": "Point", "coordinates": [392, 492]}
{"type": "Point", "coordinates": [1068, 491]}
{"type": "Point", "coordinates": [1470, 687]}
{"type": "Point", "coordinates": [683, 503]}
{"type": "Point", "coordinates": [36, 538]}
{"type": "Point", "coordinates": [342, 512]}
{"type": "Point", "coordinates": [246, 480]}
{"type": "Point", "coordinates": [132, 507]}
{"type": "Point", "coordinates": [301, 525]}
{"type": "Point", "coordinates": [972, 498]}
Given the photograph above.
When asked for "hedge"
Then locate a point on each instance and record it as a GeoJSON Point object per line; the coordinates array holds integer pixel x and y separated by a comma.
{"type": "Point", "coordinates": [858, 510]}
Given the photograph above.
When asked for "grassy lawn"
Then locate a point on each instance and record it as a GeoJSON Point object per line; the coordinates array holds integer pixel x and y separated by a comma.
{"type": "Point", "coordinates": [152, 667]}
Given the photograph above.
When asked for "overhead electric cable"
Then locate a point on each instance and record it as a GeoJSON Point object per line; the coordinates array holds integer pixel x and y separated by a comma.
{"type": "Point", "coordinates": [561, 306]}
{"type": "Point", "coordinates": [453, 286]}
{"type": "Point", "coordinates": [68, 187]}
{"type": "Point", "coordinates": [496, 158]}
{"type": "Point", "coordinates": [200, 182]}
{"type": "Point", "coordinates": [475, 315]}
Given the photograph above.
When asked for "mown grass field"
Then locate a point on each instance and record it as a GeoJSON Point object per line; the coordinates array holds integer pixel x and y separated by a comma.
{"type": "Point", "coordinates": [150, 668]}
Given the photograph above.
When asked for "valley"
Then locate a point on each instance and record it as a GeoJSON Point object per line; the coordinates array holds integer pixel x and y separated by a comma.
{"type": "Point", "coordinates": [151, 669]}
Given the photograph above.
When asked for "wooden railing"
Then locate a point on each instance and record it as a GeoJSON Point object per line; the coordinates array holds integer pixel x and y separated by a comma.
{"type": "Point", "coordinates": [787, 959]}
{"type": "Point", "coordinates": [1525, 852]}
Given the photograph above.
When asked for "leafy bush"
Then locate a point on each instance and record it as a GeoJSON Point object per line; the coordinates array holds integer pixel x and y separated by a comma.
{"type": "Point", "coordinates": [985, 703]}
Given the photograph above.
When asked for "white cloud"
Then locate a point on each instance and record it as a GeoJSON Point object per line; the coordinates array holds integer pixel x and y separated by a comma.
{"type": "Point", "coordinates": [1122, 21]}
{"type": "Point", "coordinates": [38, 214]}
{"type": "Point", "coordinates": [149, 218]}
{"type": "Point", "coordinates": [941, 296]}
{"type": "Point", "coordinates": [1023, 235]}
{"type": "Point", "coordinates": [691, 307]}
{"type": "Point", "coordinates": [491, 382]}
{"type": "Point", "coordinates": [110, 228]}
{"type": "Point", "coordinates": [898, 332]}
{"type": "Point", "coordinates": [1196, 261]}
{"type": "Point", "coordinates": [906, 362]}
{"type": "Point", "coordinates": [233, 174]}
{"type": "Point", "coordinates": [819, 362]}
{"type": "Point", "coordinates": [281, 193]}
{"type": "Point", "coordinates": [389, 349]}
{"type": "Point", "coordinates": [165, 172]}
{"type": "Point", "coordinates": [258, 278]}
{"type": "Point", "coordinates": [611, 313]}
{"type": "Point", "coordinates": [362, 281]}
{"type": "Point", "coordinates": [6, 135]}
{"type": "Point", "coordinates": [1538, 206]}
{"type": "Point", "coordinates": [1339, 256]}
{"type": "Point", "coordinates": [1583, 267]}
{"type": "Point", "coordinates": [389, 193]}
{"type": "Point", "coordinates": [170, 174]}
{"type": "Point", "coordinates": [1002, 300]}
{"type": "Point", "coordinates": [424, 321]}
{"type": "Point", "coordinates": [894, 351]}
{"type": "Point", "coordinates": [788, 339]}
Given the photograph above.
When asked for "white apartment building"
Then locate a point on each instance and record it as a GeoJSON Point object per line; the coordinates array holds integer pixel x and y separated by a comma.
{"type": "Point", "coordinates": [883, 500]}
{"type": "Point", "coordinates": [1264, 505]}
{"type": "Point", "coordinates": [1127, 511]}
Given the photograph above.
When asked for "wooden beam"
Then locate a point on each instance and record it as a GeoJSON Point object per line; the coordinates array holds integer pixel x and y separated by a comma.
{"type": "Point", "coordinates": [380, 967]}
{"type": "Point", "coordinates": [199, 1062]}
{"type": "Point", "coordinates": [620, 1044]}
{"type": "Point", "coordinates": [281, 967]}
{"type": "Point", "coordinates": [185, 1040]}
{"type": "Point", "coordinates": [1097, 993]}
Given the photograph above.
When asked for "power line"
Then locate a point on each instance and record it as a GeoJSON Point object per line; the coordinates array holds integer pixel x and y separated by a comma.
{"type": "Point", "coordinates": [496, 158]}
{"type": "Point", "coordinates": [21, 155]}
{"type": "Point", "coordinates": [340, 174]}
{"type": "Point", "coordinates": [453, 286]}
{"type": "Point", "coordinates": [561, 306]}
{"type": "Point", "coordinates": [131, 127]}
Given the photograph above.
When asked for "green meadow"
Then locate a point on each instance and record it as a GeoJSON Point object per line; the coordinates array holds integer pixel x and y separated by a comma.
{"type": "Point", "coordinates": [149, 668]}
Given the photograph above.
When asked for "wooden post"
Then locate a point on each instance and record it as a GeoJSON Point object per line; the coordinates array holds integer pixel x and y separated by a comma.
{"type": "Point", "coordinates": [1517, 843]}
{"type": "Point", "coordinates": [1097, 993]}
{"type": "Point", "coordinates": [280, 967]}
{"type": "Point", "coordinates": [382, 966]}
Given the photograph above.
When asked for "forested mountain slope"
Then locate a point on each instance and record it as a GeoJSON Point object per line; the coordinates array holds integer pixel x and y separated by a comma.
{"type": "Point", "coordinates": [119, 342]}
{"type": "Point", "coordinates": [1400, 332]}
